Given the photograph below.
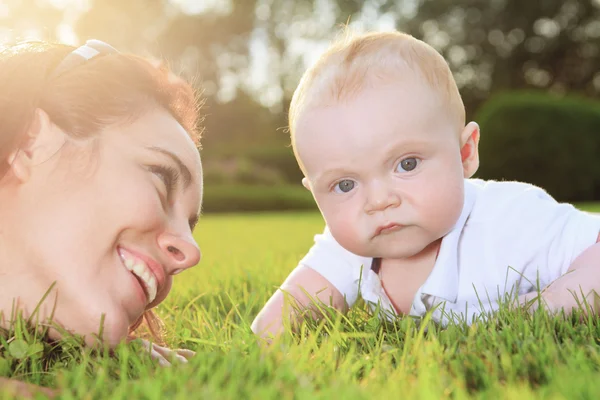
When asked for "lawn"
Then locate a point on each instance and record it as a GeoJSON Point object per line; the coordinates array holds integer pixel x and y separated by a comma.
{"type": "Point", "coordinates": [353, 357]}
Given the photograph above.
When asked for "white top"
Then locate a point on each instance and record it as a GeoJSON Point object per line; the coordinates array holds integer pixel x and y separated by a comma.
{"type": "Point", "coordinates": [509, 237]}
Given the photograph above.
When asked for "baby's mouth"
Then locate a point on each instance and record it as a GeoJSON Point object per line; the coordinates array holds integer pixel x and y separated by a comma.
{"type": "Point", "coordinates": [142, 272]}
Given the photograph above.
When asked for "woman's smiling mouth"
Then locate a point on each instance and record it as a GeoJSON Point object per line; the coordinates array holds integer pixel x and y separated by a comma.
{"type": "Point", "coordinates": [141, 271]}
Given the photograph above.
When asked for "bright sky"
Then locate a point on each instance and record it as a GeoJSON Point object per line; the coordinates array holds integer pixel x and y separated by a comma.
{"type": "Point", "coordinates": [262, 77]}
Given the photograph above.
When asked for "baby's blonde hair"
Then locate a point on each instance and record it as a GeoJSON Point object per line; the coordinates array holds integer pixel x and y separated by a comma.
{"type": "Point", "coordinates": [354, 60]}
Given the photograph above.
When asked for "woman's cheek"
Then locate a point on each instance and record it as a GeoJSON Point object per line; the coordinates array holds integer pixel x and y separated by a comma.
{"type": "Point", "coordinates": [138, 203]}
{"type": "Point", "coordinates": [151, 206]}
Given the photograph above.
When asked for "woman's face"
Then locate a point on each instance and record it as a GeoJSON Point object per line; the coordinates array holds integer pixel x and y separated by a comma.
{"type": "Point", "coordinates": [110, 221]}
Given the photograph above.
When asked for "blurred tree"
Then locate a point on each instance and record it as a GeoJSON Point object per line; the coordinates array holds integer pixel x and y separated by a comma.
{"type": "Point", "coordinates": [490, 45]}
{"type": "Point", "coordinates": [194, 43]}
{"type": "Point", "coordinates": [239, 125]}
{"type": "Point", "coordinates": [247, 55]}
{"type": "Point", "coordinates": [511, 44]}
{"type": "Point", "coordinates": [18, 22]}
{"type": "Point", "coordinates": [114, 21]}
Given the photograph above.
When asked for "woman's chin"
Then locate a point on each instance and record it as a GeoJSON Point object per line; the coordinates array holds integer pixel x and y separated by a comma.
{"type": "Point", "coordinates": [115, 331]}
{"type": "Point", "coordinates": [112, 332]}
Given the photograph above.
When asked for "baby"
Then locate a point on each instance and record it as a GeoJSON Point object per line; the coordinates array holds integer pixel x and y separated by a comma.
{"type": "Point", "coordinates": [378, 129]}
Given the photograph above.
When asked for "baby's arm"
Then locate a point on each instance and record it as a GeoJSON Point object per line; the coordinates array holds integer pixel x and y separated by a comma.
{"type": "Point", "coordinates": [304, 285]}
{"type": "Point", "coordinates": [581, 280]}
{"type": "Point", "coordinates": [555, 243]}
{"type": "Point", "coordinates": [327, 274]}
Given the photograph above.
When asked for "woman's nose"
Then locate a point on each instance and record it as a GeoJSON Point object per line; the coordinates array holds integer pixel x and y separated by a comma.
{"type": "Point", "coordinates": [182, 252]}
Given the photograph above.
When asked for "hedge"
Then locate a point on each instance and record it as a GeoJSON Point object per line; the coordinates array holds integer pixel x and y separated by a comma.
{"type": "Point", "coordinates": [280, 158]}
{"type": "Point", "coordinates": [236, 198]}
{"type": "Point", "coordinates": [549, 141]}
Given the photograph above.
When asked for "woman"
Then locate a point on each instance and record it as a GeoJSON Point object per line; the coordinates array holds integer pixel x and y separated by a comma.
{"type": "Point", "coordinates": [100, 186]}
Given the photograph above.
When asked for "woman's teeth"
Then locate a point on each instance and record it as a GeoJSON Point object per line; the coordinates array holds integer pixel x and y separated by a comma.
{"type": "Point", "coordinates": [141, 270]}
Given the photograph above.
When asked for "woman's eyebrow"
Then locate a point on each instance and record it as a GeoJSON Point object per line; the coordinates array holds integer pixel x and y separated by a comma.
{"type": "Point", "coordinates": [183, 169]}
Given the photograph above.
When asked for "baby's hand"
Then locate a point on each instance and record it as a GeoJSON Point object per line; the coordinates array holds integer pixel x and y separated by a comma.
{"type": "Point", "coordinates": [165, 356]}
{"type": "Point", "coordinates": [533, 300]}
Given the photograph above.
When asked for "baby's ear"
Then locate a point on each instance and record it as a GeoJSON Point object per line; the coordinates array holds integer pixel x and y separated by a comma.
{"type": "Point", "coordinates": [469, 149]}
{"type": "Point", "coordinates": [306, 183]}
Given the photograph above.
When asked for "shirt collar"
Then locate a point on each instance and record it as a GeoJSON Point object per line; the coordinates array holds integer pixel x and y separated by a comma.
{"type": "Point", "coordinates": [443, 279]}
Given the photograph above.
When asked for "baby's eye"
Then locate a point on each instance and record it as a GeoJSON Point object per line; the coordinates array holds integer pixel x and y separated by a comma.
{"type": "Point", "coordinates": [344, 186]}
{"type": "Point", "coordinates": [407, 165]}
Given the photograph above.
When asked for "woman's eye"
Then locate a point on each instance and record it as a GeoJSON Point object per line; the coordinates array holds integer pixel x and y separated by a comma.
{"type": "Point", "coordinates": [166, 175]}
{"type": "Point", "coordinates": [164, 179]}
{"type": "Point", "coordinates": [407, 165]}
{"type": "Point", "coordinates": [344, 186]}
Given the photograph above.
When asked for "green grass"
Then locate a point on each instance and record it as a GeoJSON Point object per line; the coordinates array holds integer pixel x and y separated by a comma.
{"type": "Point", "coordinates": [355, 356]}
{"type": "Point", "coordinates": [590, 206]}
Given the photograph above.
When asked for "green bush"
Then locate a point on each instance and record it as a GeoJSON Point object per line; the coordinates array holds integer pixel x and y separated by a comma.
{"type": "Point", "coordinates": [280, 158]}
{"type": "Point", "coordinates": [240, 170]}
{"type": "Point", "coordinates": [239, 197]}
{"type": "Point", "coordinates": [549, 141]}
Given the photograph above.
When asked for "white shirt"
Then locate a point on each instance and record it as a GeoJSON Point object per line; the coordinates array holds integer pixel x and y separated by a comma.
{"type": "Point", "coordinates": [511, 238]}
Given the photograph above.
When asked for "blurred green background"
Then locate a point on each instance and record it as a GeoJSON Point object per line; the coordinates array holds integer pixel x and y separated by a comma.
{"type": "Point", "coordinates": [528, 73]}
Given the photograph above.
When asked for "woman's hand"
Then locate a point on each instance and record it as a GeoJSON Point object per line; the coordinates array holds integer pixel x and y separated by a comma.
{"type": "Point", "coordinates": [24, 390]}
{"type": "Point", "coordinates": [166, 356]}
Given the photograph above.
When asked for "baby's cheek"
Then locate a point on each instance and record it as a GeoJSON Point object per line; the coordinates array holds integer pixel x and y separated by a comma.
{"type": "Point", "coordinates": [347, 234]}
{"type": "Point", "coordinates": [344, 222]}
{"type": "Point", "coordinates": [442, 203]}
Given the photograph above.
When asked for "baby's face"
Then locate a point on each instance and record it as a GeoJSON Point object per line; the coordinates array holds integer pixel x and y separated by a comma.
{"type": "Point", "coordinates": [384, 167]}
